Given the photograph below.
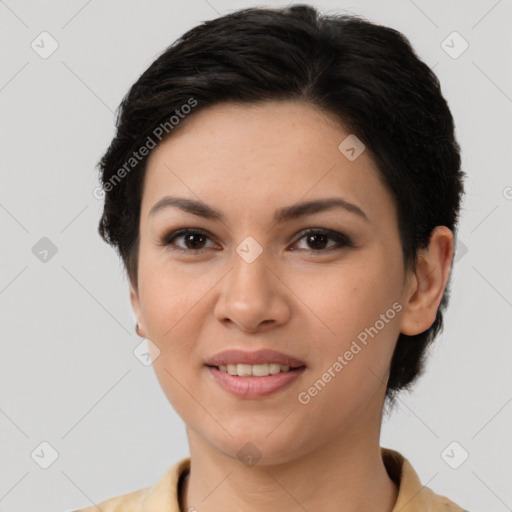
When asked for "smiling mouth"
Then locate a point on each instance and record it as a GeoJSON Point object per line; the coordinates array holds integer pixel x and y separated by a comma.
{"type": "Point", "coordinates": [255, 370]}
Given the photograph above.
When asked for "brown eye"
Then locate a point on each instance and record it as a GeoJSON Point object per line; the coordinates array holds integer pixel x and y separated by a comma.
{"type": "Point", "coordinates": [193, 240]}
{"type": "Point", "coordinates": [318, 239]}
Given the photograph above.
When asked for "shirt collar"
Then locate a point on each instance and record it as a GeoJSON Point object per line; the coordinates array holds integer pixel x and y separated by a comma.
{"type": "Point", "coordinates": [412, 495]}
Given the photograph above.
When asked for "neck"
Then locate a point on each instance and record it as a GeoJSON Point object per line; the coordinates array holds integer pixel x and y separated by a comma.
{"type": "Point", "coordinates": [345, 474]}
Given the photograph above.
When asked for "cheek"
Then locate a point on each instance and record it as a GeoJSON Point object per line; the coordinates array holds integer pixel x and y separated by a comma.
{"type": "Point", "coordinates": [354, 346]}
{"type": "Point", "coordinates": [347, 298]}
{"type": "Point", "coordinates": [169, 297]}
{"type": "Point", "coordinates": [171, 305]}
{"type": "Point", "coordinates": [359, 311]}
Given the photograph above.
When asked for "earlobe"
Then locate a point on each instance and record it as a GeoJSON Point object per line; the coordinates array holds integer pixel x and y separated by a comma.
{"type": "Point", "coordinates": [425, 290]}
{"type": "Point", "coordinates": [134, 299]}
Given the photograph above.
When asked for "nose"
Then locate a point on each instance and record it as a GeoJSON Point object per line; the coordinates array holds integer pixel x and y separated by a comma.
{"type": "Point", "coordinates": [253, 296]}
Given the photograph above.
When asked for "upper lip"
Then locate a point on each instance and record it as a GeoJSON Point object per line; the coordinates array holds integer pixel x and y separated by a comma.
{"type": "Point", "coordinates": [235, 356]}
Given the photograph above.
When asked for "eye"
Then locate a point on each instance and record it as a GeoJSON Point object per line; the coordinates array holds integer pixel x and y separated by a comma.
{"type": "Point", "coordinates": [318, 239]}
{"type": "Point", "coordinates": [193, 239]}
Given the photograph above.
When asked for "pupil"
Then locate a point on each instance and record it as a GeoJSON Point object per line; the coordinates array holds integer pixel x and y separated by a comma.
{"type": "Point", "coordinates": [189, 239]}
{"type": "Point", "coordinates": [322, 244]}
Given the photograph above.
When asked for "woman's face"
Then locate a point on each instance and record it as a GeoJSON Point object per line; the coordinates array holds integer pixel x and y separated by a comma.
{"type": "Point", "coordinates": [253, 281]}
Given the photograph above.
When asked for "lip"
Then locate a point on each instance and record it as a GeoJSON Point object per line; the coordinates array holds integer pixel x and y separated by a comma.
{"type": "Point", "coordinates": [254, 387]}
{"type": "Point", "coordinates": [235, 356]}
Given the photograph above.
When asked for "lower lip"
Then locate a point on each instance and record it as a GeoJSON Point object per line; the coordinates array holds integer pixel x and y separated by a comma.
{"type": "Point", "coordinates": [254, 387]}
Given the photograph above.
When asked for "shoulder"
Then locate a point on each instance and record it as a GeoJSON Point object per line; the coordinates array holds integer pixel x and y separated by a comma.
{"type": "Point", "coordinates": [162, 496]}
{"type": "Point", "coordinates": [412, 495]}
{"type": "Point", "coordinates": [129, 502]}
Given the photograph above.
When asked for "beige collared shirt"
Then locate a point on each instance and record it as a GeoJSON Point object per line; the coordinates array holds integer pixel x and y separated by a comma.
{"type": "Point", "coordinates": [163, 496]}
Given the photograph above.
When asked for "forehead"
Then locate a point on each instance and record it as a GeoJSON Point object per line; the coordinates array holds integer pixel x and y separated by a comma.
{"type": "Point", "coordinates": [268, 154]}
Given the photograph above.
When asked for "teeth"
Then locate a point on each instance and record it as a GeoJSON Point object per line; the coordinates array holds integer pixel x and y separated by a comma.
{"type": "Point", "coordinates": [254, 370]}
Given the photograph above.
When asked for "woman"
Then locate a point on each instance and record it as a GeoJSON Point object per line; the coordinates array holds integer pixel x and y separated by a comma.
{"type": "Point", "coordinates": [283, 189]}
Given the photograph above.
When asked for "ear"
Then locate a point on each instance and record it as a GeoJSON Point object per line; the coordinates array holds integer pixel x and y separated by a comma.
{"type": "Point", "coordinates": [426, 285]}
{"type": "Point", "coordinates": [134, 299]}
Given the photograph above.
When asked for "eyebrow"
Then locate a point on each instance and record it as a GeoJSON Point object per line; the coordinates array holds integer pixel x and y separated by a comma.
{"type": "Point", "coordinates": [282, 215]}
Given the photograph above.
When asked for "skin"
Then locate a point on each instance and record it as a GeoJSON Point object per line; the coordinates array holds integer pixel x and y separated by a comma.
{"type": "Point", "coordinates": [248, 161]}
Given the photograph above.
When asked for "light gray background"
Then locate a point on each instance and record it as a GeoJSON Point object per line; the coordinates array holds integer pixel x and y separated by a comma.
{"type": "Point", "coordinates": [68, 375]}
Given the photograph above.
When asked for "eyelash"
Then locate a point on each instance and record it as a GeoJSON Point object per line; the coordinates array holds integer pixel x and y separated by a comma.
{"type": "Point", "coordinates": [341, 239]}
